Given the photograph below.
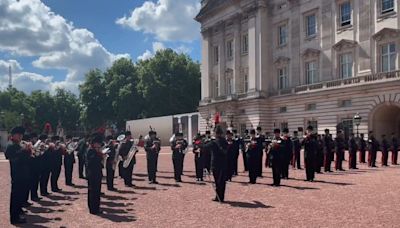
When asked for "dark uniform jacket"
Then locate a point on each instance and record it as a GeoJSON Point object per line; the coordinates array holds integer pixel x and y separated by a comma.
{"type": "Point", "coordinates": [218, 148]}
{"type": "Point", "coordinates": [94, 164]}
{"type": "Point", "coordinates": [19, 161]}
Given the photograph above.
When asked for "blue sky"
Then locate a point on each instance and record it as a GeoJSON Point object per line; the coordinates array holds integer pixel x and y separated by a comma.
{"type": "Point", "coordinates": [57, 41]}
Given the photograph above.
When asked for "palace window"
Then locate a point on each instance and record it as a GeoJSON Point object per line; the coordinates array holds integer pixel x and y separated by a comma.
{"type": "Point", "coordinates": [345, 13]}
{"type": "Point", "coordinates": [387, 6]}
{"type": "Point", "coordinates": [346, 65]}
{"type": "Point", "coordinates": [311, 107]}
{"type": "Point", "coordinates": [345, 103]}
{"type": "Point", "coordinates": [245, 43]}
{"type": "Point", "coordinates": [284, 125]}
{"type": "Point", "coordinates": [229, 49]}
{"type": "Point", "coordinates": [311, 72]}
{"type": "Point", "coordinates": [314, 124]}
{"type": "Point", "coordinates": [282, 35]}
{"type": "Point", "coordinates": [229, 86]}
{"type": "Point", "coordinates": [283, 109]}
{"type": "Point", "coordinates": [283, 81]}
{"type": "Point", "coordinates": [216, 55]}
{"type": "Point", "coordinates": [388, 57]}
{"type": "Point", "coordinates": [246, 82]}
{"type": "Point", "coordinates": [216, 88]}
{"type": "Point", "coordinates": [311, 25]}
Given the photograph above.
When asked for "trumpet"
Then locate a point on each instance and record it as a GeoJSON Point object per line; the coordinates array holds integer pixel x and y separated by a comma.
{"type": "Point", "coordinates": [27, 146]}
{"type": "Point", "coordinates": [71, 147]}
{"type": "Point", "coordinates": [39, 148]}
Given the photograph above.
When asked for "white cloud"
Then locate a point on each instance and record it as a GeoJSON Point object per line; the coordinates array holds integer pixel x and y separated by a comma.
{"type": "Point", "coordinates": [157, 46]}
{"type": "Point", "coordinates": [25, 81]}
{"type": "Point", "coordinates": [30, 28]}
{"type": "Point", "coordinates": [168, 20]}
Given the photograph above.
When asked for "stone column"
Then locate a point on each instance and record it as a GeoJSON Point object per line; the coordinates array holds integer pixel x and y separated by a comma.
{"type": "Point", "coordinates": [180, 124]}
{"type": "Point", "coordinates": [252, 52]}
{"type": "Point", "coordinates": [205, 66]}
{"type": "Point", "coordinates": [190, 137]}
{"type": "Point", "coordinates": [237, 55]}
{"type": "Point", "coordinates": [222, 51]}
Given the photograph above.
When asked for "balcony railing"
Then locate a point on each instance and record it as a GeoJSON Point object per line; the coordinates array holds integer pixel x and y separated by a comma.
{"type": "Point", "coordinates": [393, 75]}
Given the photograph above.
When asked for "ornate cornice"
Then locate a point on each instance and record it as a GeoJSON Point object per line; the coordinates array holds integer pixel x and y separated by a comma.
{"type": "Point", "coordinates": [386, 33]}
{"type": "Point", "coordinates": [344, 44]}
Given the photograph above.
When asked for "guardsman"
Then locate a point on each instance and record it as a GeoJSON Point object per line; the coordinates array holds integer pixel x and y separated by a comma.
{"type": "Point", "coordinates": [352, 152]}
{"type": "Point", "coordinates": [46, 166]}
{"type": "Point", "coordinates": [252, 156]}
{"type": "Point", "coordinates": [339, 149]}
{"type": "Point", "coordinates": [19, 169]}
{"type": "Point", "coordinates": [218, 149]}
{"type": "Point", "coordinates": [310, 151]}
{"type": "Point", "coordinates": [260, 150]}
{"type": "Point", "coordinates": [238, 140]}
{"type": "Point", "coordinates": [395, 149]}
{"type": "Point", "coordinates": [373, 147]}
{"type": "Point", "coordinates": [277, 157]}
{"type": "Point", "coordinates": [94, 166]}
{"type": "Point", "coordinates": [152, 148]}
{"type": "Point", "coordinates": [328, 151]}
{"type": "Point", "coordinates": [82, 149]}
{"type": "Point", "coordinates": [246, 139]}
{"type": "Point", "coordinates": [207, 154]}
{"type": "Point", "coordinates": [56, 163]}
{"type": "Point", "coordinates": [385, 151]}
{"type": "Point", "coordinates": [124, 150]}
{"type": "Point", "coordinates": [35, 168]}
{"type": "Point", "coordinates": [362, 145]}
{"type": "Point", "coordinates": [287, 153]}
{"type": "Point", "coordinates": [197, 147]}
{"type": "Point", "coordinates": [296, 150]}
{"type": "Point", "coordinates": [110, 172]}
{"type": "Point", "coordinates": [320, 154]}
{"type": "Point", "coordinates": [69, 160]}
{"type": "Point", "coordinates": [232, 154]}
{"type": "Point", "coordinates": [178, 147]}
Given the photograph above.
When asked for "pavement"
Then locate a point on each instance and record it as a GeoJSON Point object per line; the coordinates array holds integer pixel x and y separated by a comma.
{"type": "Point", "coordinates": [354, 198]}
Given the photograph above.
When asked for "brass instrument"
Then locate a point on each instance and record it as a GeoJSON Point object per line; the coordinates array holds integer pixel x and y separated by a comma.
{"type": "Point", "coordinates": [39, 148]}
{"type": "Point", "coordinates": [120, 139]}
{"type": "Point", "coordinates": [132, 151]}
{"type": "Point", "coordinates": [27, 146]}
{"type": "Point", "coordinates": [72, 147]}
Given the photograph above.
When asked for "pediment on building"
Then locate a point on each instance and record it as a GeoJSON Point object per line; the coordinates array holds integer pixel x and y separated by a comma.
{"type": "Point", "coordinates": [344, 44]}
{"type": "Point", "coordinates": [281, 60]}
{"type": "Point", "coordinates": [311, 52]}
{"type": "Point", "coordinates": [386, 33]}
{"type": "Point", "coordinates": [208, 6]}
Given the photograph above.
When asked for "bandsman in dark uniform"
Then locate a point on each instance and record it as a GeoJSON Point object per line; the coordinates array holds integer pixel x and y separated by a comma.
{"type": "Point", "coordinates": [197, 147]}
{"type": "Point", "coordinates": [362, 145]}
{"type": "Point", "coordinates": [94, 166]}
{"type": "Point", "coordinates": [82, 149]}
{"type": "Point", "coordinates": [178, 147]}
{"type": "Point", "coordinates": [395, 149]}
{"type": "Point", "coordinates": [152, 148]}
{"type": "Point", "coordinates": [35, 170]}
{"type": "Point", "coordinates": [260, 150]}
{"type": "Point", "coordinates": [277, 157]}
{"type": "Point", "coordinates": [385, 151]}
{"type": "Point", "coordinates": [219, 161]}
{"type": "Point", "coordinates": [352, 152]}
{"type": "Point", "coordinates": [339, 149]}
{"type": "Point", "coordinates": [320, 154]}
{"type": "Point", "coordinates": [69, 160]}
{"type": "Point", "coordinates": [207, 154]}
{"type": "Point", "coordinates": [232, 154]}
{"type": "Point", "coordinates": [328, 150]}
{"type": "Point", "coordinates": [46, 165]}
{"type": "Point", "coordinates": [252, 156]}
{"type": "Point", "coordinates": [238, 140]}
{"type": "Point", "coordinates": [310, 150]}
{"type": "Point", "coordinates": [124, 150]}
{"type": "Point", "coordinates": [373, 147]}
{"type": "Point", "coordinates": [110, 172]}
{"type": "Point", "coordinates": [296, 150]}
{"type": "Point", "coordinates": [56, 163]}
{"type": "Point", "coordinates": [19, 169]}
{"type": "Point", "coordinates": [286, 153]}
{"type": "Point", "coordinates": [245, 139]}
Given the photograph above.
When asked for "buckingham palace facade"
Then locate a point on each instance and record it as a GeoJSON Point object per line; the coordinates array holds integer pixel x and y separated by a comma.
{"type": "Point", "coordinates": [293, 63]}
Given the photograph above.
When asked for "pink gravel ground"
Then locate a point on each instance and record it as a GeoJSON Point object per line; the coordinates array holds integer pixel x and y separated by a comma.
{"type": "Point", "coordinates": [358, 198]}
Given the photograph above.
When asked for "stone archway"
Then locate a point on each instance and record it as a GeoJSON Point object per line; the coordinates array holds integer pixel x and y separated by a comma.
{"type": "Point", "coordinates": [385, 119]}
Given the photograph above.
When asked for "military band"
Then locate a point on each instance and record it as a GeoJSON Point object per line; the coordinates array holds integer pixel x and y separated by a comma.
{"type": "Point", "coordinates": [36, 161]}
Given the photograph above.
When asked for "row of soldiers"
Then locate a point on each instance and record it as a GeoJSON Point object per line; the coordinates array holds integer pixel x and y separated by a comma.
{"type": "Point", "coordinates": [34, 162]}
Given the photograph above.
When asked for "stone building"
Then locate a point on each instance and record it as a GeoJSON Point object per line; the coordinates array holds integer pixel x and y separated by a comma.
{"type": "Point", "coordinates": [293, 63]}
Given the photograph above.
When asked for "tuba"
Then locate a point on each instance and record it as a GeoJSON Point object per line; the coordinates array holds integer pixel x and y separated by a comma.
{"type": "Point", "coordinates": [132, 151]}
{"type": "Point", "coordinates": [120, 139]}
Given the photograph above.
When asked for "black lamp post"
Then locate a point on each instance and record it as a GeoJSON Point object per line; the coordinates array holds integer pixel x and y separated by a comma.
{"type": "Point", "coordinates": [22, 119]}
{"type": "Point", "coordinates": [357, 120]}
